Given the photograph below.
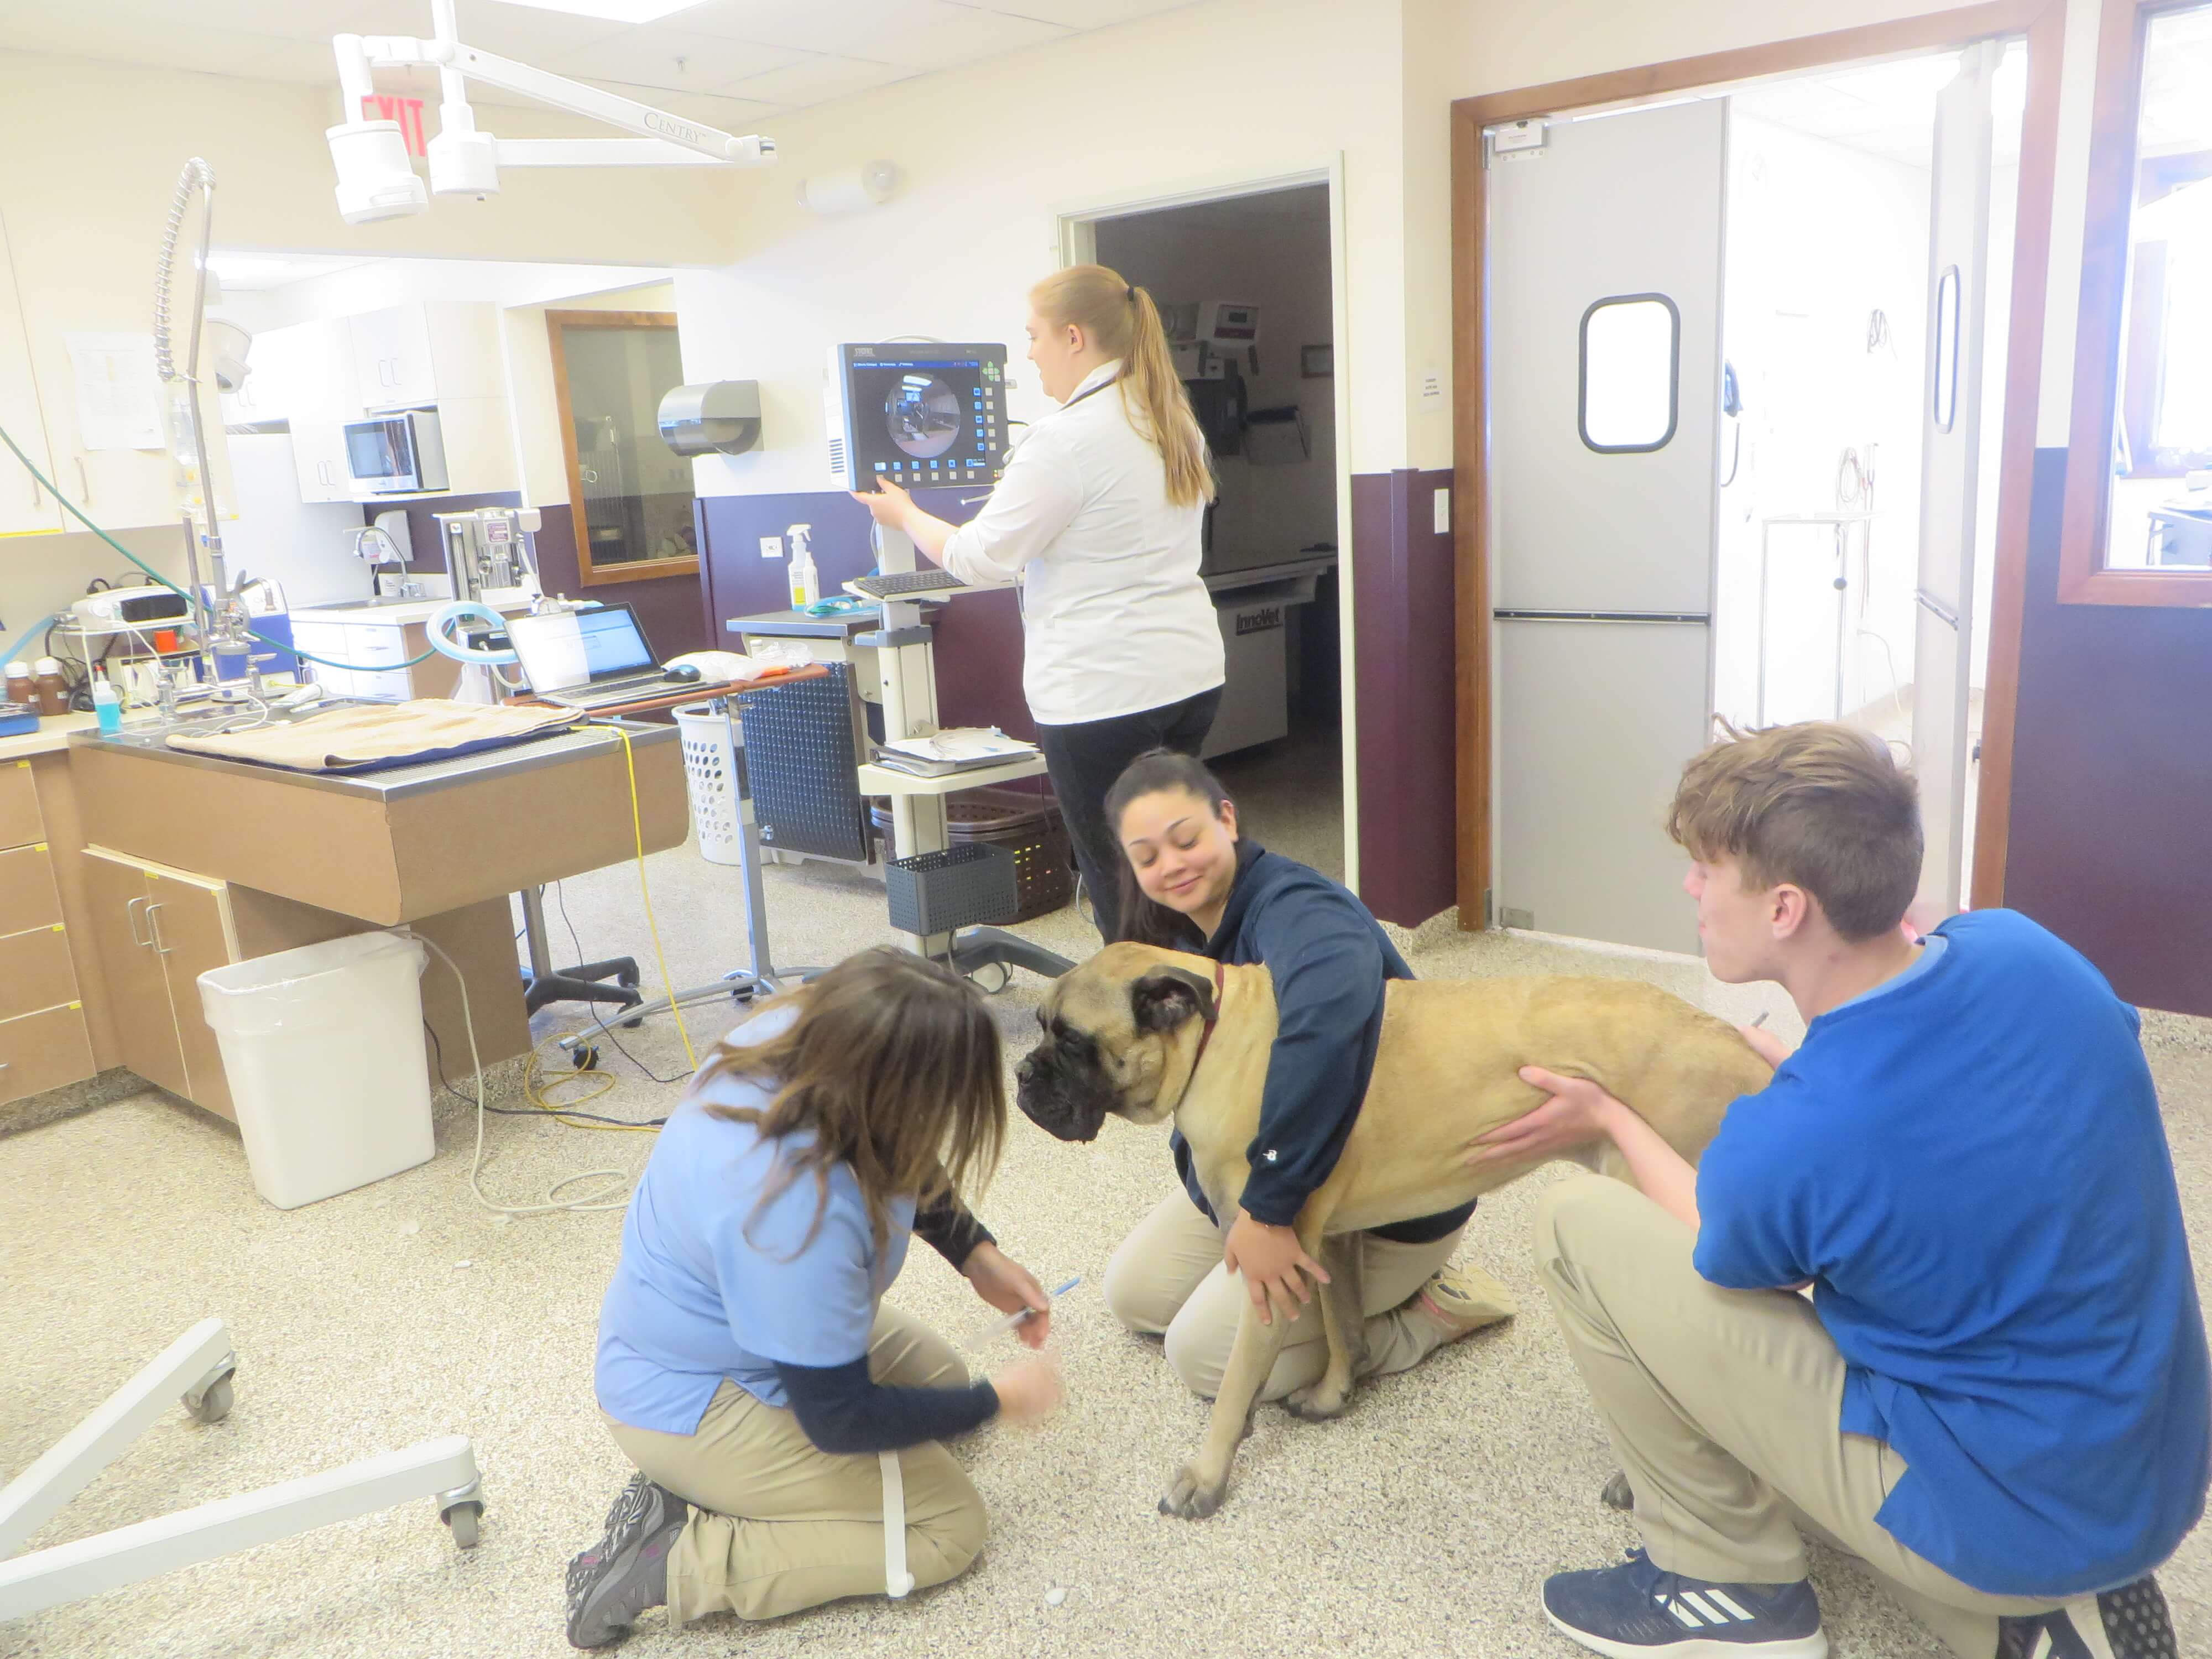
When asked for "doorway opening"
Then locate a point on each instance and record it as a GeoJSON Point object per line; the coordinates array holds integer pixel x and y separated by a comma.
{"type": "Point", "coordinates": [1247, 287]}
{"type": "Point", "coordinates": [1827, 288]}
{"type": "Point", "coordinates": [1745, 378]}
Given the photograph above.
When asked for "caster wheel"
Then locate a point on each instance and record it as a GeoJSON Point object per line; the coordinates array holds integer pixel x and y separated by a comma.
{"type": "Point", "coordinates": [212, 1403]}
{"type": "Point", "coordinates": [462, 1520]}
{"type": "Point", "coordinates": [585, 1057]}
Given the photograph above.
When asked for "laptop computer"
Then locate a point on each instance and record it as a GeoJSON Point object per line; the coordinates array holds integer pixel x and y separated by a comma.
{"type": "Point", "coordinates": [586, 659]}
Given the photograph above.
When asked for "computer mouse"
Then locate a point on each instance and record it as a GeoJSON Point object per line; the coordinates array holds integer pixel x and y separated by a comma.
{"type": "Point", "coordinates": [683, 673]}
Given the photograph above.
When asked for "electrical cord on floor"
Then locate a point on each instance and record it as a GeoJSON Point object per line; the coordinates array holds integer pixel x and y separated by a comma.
{"type": "Point", "coordinates": [587, 1120]}
{"type": "Point", "coordinates": [576, 943]}
{"type": "Point", "coordinates": [604, 1198]}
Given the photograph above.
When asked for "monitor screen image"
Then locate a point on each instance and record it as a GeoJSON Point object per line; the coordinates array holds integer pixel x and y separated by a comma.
{"type": "Point", "coordinates": [918, 415]}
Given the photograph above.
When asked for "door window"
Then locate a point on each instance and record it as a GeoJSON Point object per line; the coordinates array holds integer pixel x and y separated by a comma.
{"type": "Point", "coordinates": [1631, 349]}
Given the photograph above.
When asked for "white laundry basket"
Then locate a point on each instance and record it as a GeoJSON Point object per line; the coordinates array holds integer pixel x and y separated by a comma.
{"type": "Point", "coordinates": [322, 1047]}
{"type": "Point", "coordinates": [710, 776]}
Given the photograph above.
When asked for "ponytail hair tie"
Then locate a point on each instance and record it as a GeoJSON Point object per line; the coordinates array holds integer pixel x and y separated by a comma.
{"type": "Point", "coordinates": [1130, 294]}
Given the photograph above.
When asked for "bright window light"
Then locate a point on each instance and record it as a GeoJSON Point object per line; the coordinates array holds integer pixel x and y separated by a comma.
{"type": "Point", "coordinates": [1630, 348]}
{"type": "Point", "coordinates": [614, 11]}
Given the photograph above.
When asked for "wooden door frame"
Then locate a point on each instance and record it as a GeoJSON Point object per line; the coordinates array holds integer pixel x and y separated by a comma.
{"type": "Point", "coordinates": [630, 571]}
{"type": "Point", "coordinates": [2043, 22]}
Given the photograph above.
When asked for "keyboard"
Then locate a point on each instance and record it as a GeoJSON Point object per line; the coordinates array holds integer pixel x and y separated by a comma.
{"type": "Point", "coordinates": [614, 692]}
{"type": "Point", "coordinates": [907, 581]}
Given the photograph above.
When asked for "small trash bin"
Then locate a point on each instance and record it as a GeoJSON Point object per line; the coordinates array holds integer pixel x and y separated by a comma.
{"type": "Point", "coordinates": [323, 1049]}
{"type": "Point", "coordinates": [710, 776]}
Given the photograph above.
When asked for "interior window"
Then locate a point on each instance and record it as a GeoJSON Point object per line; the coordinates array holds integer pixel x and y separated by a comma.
{"type": "Point", "coordinates": [2162, 429]}
{"type": "Point", "coordinates": [1631, 348]}
{"type": "Point", "coordinates": [630, 493]}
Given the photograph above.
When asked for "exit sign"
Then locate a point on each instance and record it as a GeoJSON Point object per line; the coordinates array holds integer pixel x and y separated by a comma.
{"type": "Point", "coordinates": [407, 112]}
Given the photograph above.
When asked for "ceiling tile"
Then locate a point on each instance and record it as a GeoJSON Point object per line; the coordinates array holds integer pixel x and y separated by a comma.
{"type": "Point", "coordinates": [209, 51]}
{"type": "Point", "coordinates": [918, 34]}
{"type": "Point", "coordinates": [738, 116]}
{"type": "Point", "coordinates": [650, 56]}
{"type": "Point", "coordinates": [816, 81]}
{"type": "Point", "coordinates": [1081, 14]}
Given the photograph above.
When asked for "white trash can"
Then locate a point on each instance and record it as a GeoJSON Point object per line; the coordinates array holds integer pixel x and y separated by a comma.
{"type": "Point", "coordinates": [710, 742]}
{"type": "Point", "coordinates": [322, 1047]}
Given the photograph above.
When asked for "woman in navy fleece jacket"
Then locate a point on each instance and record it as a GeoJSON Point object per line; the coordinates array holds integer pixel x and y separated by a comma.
{"type": "Point", "coordinates": [1191, 883]}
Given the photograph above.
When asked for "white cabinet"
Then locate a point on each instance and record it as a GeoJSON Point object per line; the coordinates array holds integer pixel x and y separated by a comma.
{"type": "Point", "coordinates": [374, 655]}
{"type": "Point", "coordinates": [405, 356]}
{"type": "Point", "coordinates": [26, 506]}
{"type": "Point", "coordinates": [323, 394]}
{"type": "Point", "coordinates": [265, 393]}
{"type": "Point", "coordinates": [392, 359]}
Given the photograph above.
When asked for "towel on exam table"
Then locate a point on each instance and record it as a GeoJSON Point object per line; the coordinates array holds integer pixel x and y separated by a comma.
{"type": "Point", "coordinates": [365, 738]}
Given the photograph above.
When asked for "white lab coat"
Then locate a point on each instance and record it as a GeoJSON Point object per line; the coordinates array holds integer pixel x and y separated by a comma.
{"type": "Point", "coordinates": [1116, 619]}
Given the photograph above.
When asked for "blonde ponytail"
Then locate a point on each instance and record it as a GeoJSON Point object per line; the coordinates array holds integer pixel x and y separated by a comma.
{"type": "Point", "coordinates": [1121, 321]}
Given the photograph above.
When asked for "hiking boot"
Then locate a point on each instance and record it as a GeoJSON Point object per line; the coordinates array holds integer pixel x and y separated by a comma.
{"type": "Point", "coordinates": [1636, 1611]}
{"type": "Point", "coordinates": [1464, 1298]}
{"type": "Point", "coordinates": [626, 1571]}
{"type": "Point", "coordinates": [2135, 1621]}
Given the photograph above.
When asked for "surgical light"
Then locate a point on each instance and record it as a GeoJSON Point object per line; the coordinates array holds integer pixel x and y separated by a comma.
{"type": "Point", "coordinates": [375, 178]}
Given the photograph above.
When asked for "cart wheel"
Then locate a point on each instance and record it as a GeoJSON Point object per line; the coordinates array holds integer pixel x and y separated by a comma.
{"type": "Point", "coordinates": [462, 1519]}
{"type": "Point", "coordinates": [585, 1057]}
{"type": "Point", "coordinates": [212, 1403]}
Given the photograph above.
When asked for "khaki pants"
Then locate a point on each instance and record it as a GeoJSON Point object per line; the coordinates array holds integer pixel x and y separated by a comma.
{"type": "Point", "coordinates": [1722, 1407]}
{"type": "Point", "coordinates": [777, 1525]}
{"type": "Point", "coordinates": [1166, 1278]}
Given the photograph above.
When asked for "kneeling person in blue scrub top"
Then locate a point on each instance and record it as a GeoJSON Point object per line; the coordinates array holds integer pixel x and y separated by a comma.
{"type": "Point", "coordinates": [1996, 1394]}
{"type": "Point", "coordinates": [746, 1365]}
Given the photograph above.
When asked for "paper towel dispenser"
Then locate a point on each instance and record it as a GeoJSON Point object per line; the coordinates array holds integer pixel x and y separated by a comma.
{"type": "Point", "coordinates": [715, 417]}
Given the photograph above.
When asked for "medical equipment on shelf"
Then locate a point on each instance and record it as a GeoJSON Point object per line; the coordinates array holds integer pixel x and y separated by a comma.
{"type": "Point", "coordinates": [121, 609]}
{"type": "Point", "coordinates": [491, 554]}
{"type": "Point", "coordinates": [376, 181]}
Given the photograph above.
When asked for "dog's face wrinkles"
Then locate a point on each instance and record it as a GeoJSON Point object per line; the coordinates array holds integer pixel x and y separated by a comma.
{"type": "Point", "coordinates": [1093, 1056]}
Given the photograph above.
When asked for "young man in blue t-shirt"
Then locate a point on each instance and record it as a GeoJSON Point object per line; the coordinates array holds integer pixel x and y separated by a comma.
{"type": "Point", "coordinates": [1996, 1394]}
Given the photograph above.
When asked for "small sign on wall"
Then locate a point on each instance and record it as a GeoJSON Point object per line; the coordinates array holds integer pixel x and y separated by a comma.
{"type": "Point", "coordinates": [407, 112]}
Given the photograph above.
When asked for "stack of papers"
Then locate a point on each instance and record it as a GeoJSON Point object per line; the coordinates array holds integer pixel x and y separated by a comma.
{"type": "Point", "coordinates": [961, 749]}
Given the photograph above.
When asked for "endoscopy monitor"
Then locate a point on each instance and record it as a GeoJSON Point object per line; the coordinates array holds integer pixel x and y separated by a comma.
{"type": "Point", "coordinates": [922, 414]}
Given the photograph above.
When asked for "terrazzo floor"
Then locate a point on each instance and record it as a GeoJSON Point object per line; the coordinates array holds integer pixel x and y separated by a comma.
{"type": "Point", "coordinates": [1420, 1524]}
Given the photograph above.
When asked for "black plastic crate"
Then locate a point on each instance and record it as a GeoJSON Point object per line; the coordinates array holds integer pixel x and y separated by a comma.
{"type": "Point", "coordinates": [959, 887]}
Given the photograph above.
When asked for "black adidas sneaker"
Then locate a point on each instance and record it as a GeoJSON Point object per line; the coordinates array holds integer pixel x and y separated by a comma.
{"type": "Point", "coordinates": [2136, 1626]}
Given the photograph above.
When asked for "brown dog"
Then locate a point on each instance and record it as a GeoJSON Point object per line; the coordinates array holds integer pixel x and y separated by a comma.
{"type": "Point", "coordinates": [1150, 1034]}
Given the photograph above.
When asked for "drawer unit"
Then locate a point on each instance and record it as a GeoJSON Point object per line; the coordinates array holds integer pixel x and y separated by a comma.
{"type": "Point", "coordinates": [28, 896]}
{"type": "Point", "coordinates": [19, 821]}
{"type": "Point", "coordinates": [43, 1051]}
{"type": "Point", "coordinates": [378, 653]}
{"type": "Point", "coordinates": [36, 971]}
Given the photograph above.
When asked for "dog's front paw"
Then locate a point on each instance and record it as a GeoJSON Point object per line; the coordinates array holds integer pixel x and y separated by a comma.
{"type": "Point", "coordinates": [1618, 1493]}
{"type": "Point", "coordinates": [1191, 1495]}
{"type": "Point", "coordinates": [1317, 1402]}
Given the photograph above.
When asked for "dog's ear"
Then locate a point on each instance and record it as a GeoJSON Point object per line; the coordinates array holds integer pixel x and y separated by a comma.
{"type": "Point", "coordinates": [1164, 998]}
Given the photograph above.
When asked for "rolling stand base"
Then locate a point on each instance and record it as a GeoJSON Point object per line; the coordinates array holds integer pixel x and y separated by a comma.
{"type": "Point", "coordinates": [981, 947]}
{"type": "Point", "coordinates": [585, 983]}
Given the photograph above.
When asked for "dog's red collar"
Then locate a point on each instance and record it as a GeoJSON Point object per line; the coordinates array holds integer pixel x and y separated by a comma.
{"type": "Point", "coordinates": [1206, 1036]}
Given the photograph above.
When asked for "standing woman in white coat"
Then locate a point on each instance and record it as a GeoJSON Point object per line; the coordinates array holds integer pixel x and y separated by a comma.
{"type": "Point", "coordinates": [1099, 516]}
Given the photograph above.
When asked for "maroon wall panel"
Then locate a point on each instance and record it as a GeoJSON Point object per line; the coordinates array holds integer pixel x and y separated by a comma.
{"type": "Point", "coordinates": [2112, 777]}
{"type": "Point", "coordinates": [1402, 638]}
{"type": "Point", "coordinates": [979, 638]}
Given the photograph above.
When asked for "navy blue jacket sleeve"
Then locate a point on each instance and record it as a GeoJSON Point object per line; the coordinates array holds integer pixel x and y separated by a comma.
{"type": "Point", "coordinates": [947, 1227]}
{"type": "Point", "coordinates": [844, 1411]}
{"type": "Point", "coordinates": [1326, 958]}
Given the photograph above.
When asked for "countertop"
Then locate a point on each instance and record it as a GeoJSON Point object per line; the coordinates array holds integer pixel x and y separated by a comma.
{"type": "Point", "coordinates": [403, 613]}
{"type": "Point", "coordinates": [51, 737]}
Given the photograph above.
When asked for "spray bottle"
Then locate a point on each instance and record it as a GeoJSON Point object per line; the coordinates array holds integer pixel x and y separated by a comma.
{"type": "Point", "coordinates": [806, 585]}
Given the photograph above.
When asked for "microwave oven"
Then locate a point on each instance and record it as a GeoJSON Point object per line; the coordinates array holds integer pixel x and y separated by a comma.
{"type": "Point", "coordinates": [396, 454]}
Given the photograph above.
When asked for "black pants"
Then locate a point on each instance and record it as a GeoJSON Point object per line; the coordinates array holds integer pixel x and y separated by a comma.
{"type": "Point", "coordinates": [1083, 761]}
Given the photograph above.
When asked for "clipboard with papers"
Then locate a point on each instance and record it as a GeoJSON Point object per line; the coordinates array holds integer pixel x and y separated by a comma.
{"type": "Point", "coordinates": [958, 748]}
